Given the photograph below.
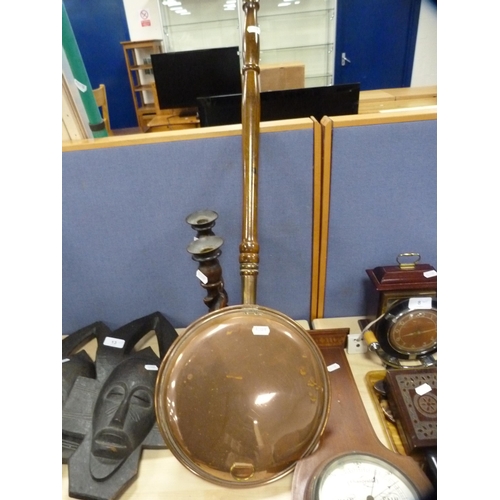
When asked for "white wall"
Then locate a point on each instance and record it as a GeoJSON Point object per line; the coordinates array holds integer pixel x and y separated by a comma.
{"type": "Point", "coordinates": [425, 62]}
{"type": "Point", "coordinates": [143, 20]}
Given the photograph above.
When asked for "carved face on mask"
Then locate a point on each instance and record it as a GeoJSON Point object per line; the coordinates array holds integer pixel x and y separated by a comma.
{"type": "Point", "coordinates": [123, 415]}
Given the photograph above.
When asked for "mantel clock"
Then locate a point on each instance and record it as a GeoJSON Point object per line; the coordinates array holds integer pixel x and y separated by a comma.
{"type": "Point", "coordinates": [402, 281]}
{"type": "Point", "coordinates": [405, 331]}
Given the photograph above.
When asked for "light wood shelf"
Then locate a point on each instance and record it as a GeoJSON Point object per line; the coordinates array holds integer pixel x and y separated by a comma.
{"type": "Point", "coordinates": [139, 68]}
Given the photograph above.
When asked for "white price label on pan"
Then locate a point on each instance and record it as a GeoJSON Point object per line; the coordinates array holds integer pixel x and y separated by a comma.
{"type": "Point", "coordinates": [260, 330]}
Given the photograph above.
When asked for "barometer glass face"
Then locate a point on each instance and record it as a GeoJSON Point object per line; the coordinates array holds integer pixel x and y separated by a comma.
{"type": "Point", "coordinates": [359, 476]}
{"type": "Point", "coordinates": [242, 395]}
{"type": "Point", "coordinates": [414, 331]}
{"type": "Point", "coordinates": [408, 330]}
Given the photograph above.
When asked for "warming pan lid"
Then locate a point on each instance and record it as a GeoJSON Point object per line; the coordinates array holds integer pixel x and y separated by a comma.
{"type": "Point", "coordinates": [242, 395]}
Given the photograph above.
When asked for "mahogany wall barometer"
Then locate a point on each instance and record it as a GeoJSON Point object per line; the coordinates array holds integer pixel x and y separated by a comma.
{"type": "Point", "coordinates": [351, 462]}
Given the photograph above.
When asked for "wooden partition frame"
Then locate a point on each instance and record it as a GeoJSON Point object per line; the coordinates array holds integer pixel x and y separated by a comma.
{"type": "Point", "coordinates": [181, 135]}
{"type": "Point", "coordinates": [329, 125]}
{"type": "Point", "coordinates": [316, 266]}
{"type": "Point", "coordinates": [322, 153]}
{"type": "Point", "coordinates": [324, 166]}
{"type": "Point", "coordinates": [324, 215]}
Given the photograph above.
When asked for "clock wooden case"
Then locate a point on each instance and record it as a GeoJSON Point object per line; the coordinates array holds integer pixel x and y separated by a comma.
{"type": "Point", "coordinates": [405, 331]}
{"type": "Point", "coordinates": [406, 279]}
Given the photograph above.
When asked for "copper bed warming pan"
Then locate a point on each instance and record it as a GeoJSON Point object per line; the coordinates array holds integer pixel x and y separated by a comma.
{"type": "Point", "coordinates": [244, 393]}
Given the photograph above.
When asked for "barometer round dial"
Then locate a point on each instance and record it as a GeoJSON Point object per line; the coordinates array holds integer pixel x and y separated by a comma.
{"type": "Point", "coordinates": [408, 329]}
{"type": "Point", "coordinates": [414, 332]}
{"type": "Point", "coordinates": [360, 476]}
{"type": "Point", "coordinates": [405, 333]}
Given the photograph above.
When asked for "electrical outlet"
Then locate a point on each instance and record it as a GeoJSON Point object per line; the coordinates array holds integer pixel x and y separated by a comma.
{"type": "Point", "coordinates": [356, 344]}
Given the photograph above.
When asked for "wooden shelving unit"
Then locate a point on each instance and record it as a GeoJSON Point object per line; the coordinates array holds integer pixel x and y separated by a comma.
{"type": "Point", "coordinates": [140, 73]}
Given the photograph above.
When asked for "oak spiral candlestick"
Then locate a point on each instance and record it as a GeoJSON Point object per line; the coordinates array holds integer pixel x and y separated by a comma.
{"type": "Point", "coordinates": [206, 252]}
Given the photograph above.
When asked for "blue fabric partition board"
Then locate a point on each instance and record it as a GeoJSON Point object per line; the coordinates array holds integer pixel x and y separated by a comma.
{"type": "Point", "coordinates": [383, 202]}
{"type": "Point", "coordinates": [125, 235]}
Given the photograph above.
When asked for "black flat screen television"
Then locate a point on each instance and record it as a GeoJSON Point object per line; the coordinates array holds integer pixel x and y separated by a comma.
{"type": "Point", "coordinates": [181, 77]}
{"type": "Point", "coordinates": [333, 100]}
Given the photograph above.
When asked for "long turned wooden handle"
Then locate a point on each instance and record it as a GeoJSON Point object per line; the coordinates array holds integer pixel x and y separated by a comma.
{"type": "Point", "coordinates": [250, 119]}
